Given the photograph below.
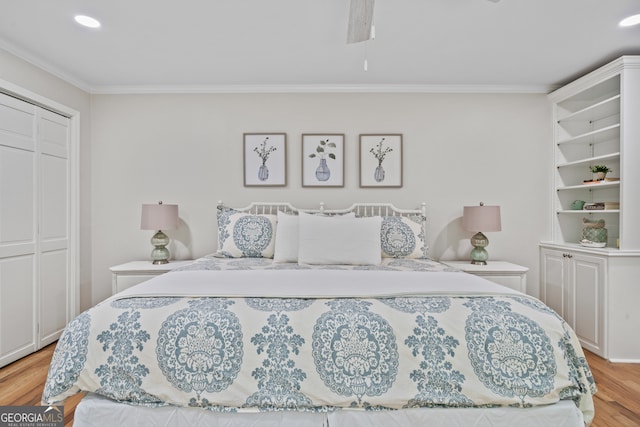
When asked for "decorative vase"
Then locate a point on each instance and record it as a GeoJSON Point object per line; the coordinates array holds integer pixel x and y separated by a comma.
{"type": "Point", "coordinates": [323, 173]}
{"type": "Point", "coordinates": [598, 235]}
{"type": "Point", "coordinates": [378, 174]}
{"type": "Point", "coordinates": [601, 175]}
{"type": "Point", "coordinates": [263, 172]}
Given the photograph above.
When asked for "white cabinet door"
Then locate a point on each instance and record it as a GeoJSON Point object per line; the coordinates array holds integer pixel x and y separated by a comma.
{"type": "Point", "coordinates": [587, 283]}
{"type": "Point", "coordinates": [573, 285]}
{"type": "Point", "coordinates": [17, 228]}
{"type": "Point", "coordinates": [554, 286]}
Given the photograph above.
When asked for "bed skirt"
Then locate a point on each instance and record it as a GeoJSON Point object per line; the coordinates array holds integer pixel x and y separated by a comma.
{"type": "Point", "coordinates": [97, 411]}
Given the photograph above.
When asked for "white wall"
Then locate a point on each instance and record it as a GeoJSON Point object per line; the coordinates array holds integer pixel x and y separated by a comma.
{"type": "Point", "coordinates": [34, 79]}
{"type": "Point", "coordinates": [459, 149]}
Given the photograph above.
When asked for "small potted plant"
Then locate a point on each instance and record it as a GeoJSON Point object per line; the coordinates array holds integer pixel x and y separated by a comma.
{"type": "Point", "coordinates": [600, 171]}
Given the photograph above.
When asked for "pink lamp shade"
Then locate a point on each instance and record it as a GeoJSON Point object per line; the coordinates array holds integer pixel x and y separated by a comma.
{"type": "Point", "coordinates": [159, 217]}
{"type": "Point", "coordinates": [481, 218]}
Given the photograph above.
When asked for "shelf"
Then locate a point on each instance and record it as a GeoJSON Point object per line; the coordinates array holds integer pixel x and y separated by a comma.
{"type": "Point", "coordinates": [606, 108]}
{"type": "Point", "coordinates": [590, 160]}
{"type": "Point", "coordinates": [593, 125]}
{"type": "Point", "coordinates": [606, 184]}
{"type": "Point", "coordinates": [608, 250]}
{"type": "Point", "coordinates": [585, 211]}
{"type": "Point", "coordinates": [594, 137]}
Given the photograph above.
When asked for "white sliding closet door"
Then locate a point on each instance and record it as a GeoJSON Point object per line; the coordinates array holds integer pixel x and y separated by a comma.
{"type": "Point", "coordinates": [53, 139]}
{"type": "Point", "coordinates": [34, 227]}
{"type": "Point", "coordinates": [17, 228]}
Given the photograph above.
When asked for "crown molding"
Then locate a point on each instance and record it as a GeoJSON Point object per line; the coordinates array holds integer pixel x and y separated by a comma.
{"type": "Point", "coordinates": [271, 88]}
{"type": "Point", "coordinates": [596, 76]}
{"type": "Point", "coordinates": [43, 65]}
{"type": "Point", "coordinates": [324, 88]}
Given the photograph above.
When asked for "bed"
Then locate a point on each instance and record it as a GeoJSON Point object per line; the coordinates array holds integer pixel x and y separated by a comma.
{"type": "Point", "coordinates": [317, 317]}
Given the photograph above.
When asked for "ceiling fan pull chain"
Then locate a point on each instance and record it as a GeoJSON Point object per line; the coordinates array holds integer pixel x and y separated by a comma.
{"type": "Point", "coordinates": [366, 48]}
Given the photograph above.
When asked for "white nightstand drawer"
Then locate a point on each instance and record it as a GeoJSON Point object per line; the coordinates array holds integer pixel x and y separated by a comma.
{"type": "Point", "coordinates": [125, 282]}
{"type": "Point", "coordinates": [131, 273]}
{"type": "Point", "coordinates": [508, 281]}
{"type": "Point", "coordinates": [503, 273]}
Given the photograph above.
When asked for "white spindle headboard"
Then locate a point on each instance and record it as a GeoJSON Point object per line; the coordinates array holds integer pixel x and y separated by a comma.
{"type": "Point", "coordinates": [360, 209]}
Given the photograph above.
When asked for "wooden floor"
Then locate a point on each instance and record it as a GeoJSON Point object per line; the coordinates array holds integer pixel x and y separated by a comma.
{"type": "Point", "coordinates": [617, 401]}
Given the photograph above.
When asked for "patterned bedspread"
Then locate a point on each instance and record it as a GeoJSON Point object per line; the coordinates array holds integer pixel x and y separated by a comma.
{"type": "Point", "coordinates": [318, 354]}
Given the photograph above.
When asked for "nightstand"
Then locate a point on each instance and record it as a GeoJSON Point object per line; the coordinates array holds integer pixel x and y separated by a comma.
{"type": "Point", "coordinates": [131, 273]}
{"type": "Point", "coordinates": [504, 273]}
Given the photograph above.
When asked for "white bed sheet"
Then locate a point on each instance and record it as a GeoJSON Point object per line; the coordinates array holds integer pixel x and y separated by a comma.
{"type": "Point", "coordinates": [96, 411]}
{"type": "Point", "coordinates": [320, 284]}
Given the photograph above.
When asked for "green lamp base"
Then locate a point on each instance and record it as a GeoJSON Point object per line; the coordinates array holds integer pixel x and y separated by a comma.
{"type": "Point", "coordinates": [479, 254]}
{"type": "Point", "coordinates": [160, 254]}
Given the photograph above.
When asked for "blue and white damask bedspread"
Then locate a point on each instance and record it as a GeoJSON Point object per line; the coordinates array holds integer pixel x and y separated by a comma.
{"type": "Point", "coordinates": [268, 337]}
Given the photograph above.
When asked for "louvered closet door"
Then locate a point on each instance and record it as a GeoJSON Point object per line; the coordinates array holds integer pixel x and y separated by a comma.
{"type": "Point", "coordinates": [53, 167]}
{"type": "Point", "coordinates": [18, 243]}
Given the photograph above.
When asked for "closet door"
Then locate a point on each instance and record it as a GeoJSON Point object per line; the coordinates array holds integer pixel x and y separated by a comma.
{"type": "Point", "coordinates": [53, 195]}
{"type": "Point", "coordinates": [18, 236]}
{"type": "Point", "coordinates": [35, 283]}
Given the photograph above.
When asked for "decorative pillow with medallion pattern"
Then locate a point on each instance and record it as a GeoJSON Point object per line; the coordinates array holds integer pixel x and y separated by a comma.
{"type": "Point", "coordinates": [402, 237]}
{"type": "Point", "coordinates": [245, 235]}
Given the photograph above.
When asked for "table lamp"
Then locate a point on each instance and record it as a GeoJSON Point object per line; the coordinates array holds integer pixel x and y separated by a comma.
{"type": "Point", "coordinates": [480, 218]}
{"type": "Point", "coordinates": [159, 217]}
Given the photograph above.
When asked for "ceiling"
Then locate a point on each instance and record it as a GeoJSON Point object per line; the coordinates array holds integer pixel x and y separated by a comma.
{"type": "Point", "coordinates": [259, 45]}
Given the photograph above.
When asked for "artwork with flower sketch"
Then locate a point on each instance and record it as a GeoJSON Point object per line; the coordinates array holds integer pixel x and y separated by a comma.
{"type": "Point", "coordinates": [323, 160]}
{"type": "Point", "coordinates": [265, 158]}
{"type": "Point", "coordinates": [381, 160]}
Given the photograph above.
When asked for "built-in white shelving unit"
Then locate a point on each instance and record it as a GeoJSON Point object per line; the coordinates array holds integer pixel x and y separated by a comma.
{"type": "Point", "coordinates": [597, 122]}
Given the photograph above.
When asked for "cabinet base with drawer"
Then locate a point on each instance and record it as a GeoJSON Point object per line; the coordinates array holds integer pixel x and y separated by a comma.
{"type": "Point", "coordinates": [501, 272]}
{"type": "Point", "coordinates": [131, 273]}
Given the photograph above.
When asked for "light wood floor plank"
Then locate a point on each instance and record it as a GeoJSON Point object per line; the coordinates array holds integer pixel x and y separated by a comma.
{"type": "Point", "coordinates": [22, 382]}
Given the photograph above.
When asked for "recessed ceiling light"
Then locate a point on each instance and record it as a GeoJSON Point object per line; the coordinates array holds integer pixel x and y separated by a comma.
{"type": "Point", "coordinates": [87, 21]}
{"type": "Point", "coordinates": [630, 20]}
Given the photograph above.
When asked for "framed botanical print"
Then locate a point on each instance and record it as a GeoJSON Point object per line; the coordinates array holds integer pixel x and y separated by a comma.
{"type": "Point", "coordinates": [323, 160]}
{"type": "Point", "coordinates": [265, 159]}
{"type": "Point", "coordinates": [381, 160]}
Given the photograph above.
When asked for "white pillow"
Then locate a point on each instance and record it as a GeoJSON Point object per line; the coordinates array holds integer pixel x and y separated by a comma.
{"type": "Point", "coordinates": [287, 236]}
{"type": "Point", "coordinates": [286, 249]}
{"type": "Point", "coordinates": [353, 241]}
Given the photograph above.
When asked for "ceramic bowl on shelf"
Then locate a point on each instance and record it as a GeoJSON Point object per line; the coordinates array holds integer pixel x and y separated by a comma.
{"type": "Point", "coordinates": [590, 244]}
{"type": "Point", "coordinates": [577, 205]}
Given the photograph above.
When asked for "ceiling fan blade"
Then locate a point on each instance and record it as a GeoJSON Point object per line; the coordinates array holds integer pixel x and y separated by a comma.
{"type": "Point", "coordinates": [360, 21]}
